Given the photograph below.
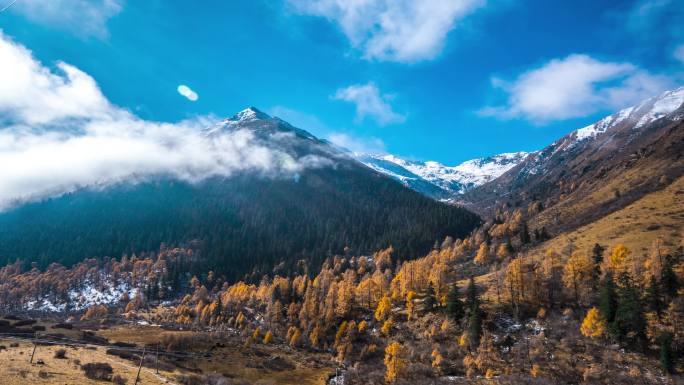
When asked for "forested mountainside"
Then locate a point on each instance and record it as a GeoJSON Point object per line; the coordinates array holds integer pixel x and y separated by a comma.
{"type": "Point", "coordinates": [243, 224]}
{"type": "Point", "coordinates": [519, 299]}
{"type": "Point", "coordinates": [501, 306]}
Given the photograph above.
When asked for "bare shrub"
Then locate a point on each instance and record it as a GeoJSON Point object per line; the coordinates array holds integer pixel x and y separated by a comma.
{"type": "Point", "coordinates": [185, 341]}
{"type": "Point", "coordinates": [209, 379]}
{"type": "Point", "coordinates": [98, 371]}
{"type": "Point", "coordinates": [60, 354]}
{"type": "Point", "coordinates": [118, 380]}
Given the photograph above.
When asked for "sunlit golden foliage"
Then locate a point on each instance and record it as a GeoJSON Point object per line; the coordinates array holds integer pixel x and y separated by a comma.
{"type": "Point", "coordinates": [594, 324]}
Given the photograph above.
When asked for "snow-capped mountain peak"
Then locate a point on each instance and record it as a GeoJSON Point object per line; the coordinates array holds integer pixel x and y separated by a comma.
{"type": "Point", "coordinates": [640, 115]}
{"type": "Point", "coordinates": [249, 114]}
{"type": "Point", "coordinates": [438, 180]}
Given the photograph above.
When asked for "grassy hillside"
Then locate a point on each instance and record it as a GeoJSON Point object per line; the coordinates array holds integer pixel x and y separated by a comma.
{"type": "Point", "coordinates": [658, 215]}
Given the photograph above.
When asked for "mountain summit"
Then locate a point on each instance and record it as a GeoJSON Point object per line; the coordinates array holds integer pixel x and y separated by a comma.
{"type": "Point", "coordinates": [244, 223]}
{"type": "Point", "coordinates": [249, 114]}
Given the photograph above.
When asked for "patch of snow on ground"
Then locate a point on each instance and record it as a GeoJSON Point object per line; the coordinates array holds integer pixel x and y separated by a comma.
{"type": "Point", "coordinates": [88, 295]}
{"type": "Point", "coordinates": [80, 298]}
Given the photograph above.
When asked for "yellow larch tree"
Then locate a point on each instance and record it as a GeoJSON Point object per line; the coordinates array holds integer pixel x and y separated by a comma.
{"type": "Point", "coordinates": [386, 328]}
{"type": "Point", "coordinates": [410, 305]}
{"type": "Point", "coordinates": [503, 252]}
{"type": "Point", "coordinates": [395, 362]}
{"type": "Point", "coordinates": [482, 256]}
{"type": "Point", "coordinates": [594, 324]}
{"type": "Point", "coordinates": [437, 360]}
{"type": "Point", "coordinates": [384, 308]}
{"type": "Point", "coordinates": [268, 337]}
{"type": "Point", "coordinates": [577, 274]}
{"type": "Point", "coordinates": [618, 258]}
{"type": "Point", "coordinates": [295, 337]}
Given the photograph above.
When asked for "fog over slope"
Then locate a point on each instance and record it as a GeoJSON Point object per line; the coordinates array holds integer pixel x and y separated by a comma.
{"type": "Point", "coordinates": [60, 133]}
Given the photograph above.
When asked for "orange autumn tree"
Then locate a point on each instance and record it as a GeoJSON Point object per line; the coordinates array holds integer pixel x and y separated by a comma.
{"type": "Point", "coordinates": [383, 309]}
{"type": "Point", "coordinates": [618, 258]}
{"type": "Point", "coordinates": [594, 324]}
{"type": "Point", "coordinates": [577, 274]}
{"type": "Point", "coordinates": [482, 256]}
{"type": "Point", "coordinates": [395, 362]}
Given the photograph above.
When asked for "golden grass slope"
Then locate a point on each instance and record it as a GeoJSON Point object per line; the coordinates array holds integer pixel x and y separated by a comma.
{"type": "Point", "coordinates": [15, 368]}
{"type": "Point", "coordinates": [658, 215]}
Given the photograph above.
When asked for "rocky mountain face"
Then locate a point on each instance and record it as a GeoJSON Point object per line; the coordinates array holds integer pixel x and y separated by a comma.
{"type": "Point", "coordinates": [596, 169]}
{"type": "Point", "coordinates": [243, 224]}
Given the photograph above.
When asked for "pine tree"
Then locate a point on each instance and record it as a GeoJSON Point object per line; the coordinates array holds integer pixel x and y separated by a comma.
{"type": "Point", "coordinates": [668, 279]}
{"type": "Point", "coordinates": [608, 302]}
{"type": "Point", "coordinates": [666, 359]}
{"type": "Point", "coordinates": [629, 318]}
{"type": "Point", "coordinates": [474, 315]}
{"type": "Point", "coordinates": [474, 328]}
{"type": "Point", "coordinates": [454, 306]}
{"type": "Point", "coordinates": [472, 300]}
{"type": "Point", "coordinates": [597, 258]}
{"type": "Point", "coordinates": [652, 296]}
{"type": "Point", "coordinates": [430, 301]}
{"type": "Point", "coordinates": [524, 233]}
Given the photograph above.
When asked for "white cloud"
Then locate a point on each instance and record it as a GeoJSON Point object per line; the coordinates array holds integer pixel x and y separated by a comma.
{"type": "Point", "coordinates": [679, 53]}
{"type": "Point", "coordinates": [575, 86]}
{"type": "Point", "coordinates": [59, 133]}
{"type": "Point", "coordinates": [81, 17]}
{"type": "Point", "coordinates": [188, 93]}
{"type": "Point", "coordinates": [369, 103]}
{"type": "Point", "coordinates": [393, 30]}
{"type": "Point", "coordinates": [358, 145]}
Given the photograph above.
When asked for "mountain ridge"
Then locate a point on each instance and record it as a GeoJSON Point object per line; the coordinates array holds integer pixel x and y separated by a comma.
{"type": "Point", "coordinates": [245, 223]}
{"type": "Point", "coordinates": [437, 180]}
{"type": "Point", "coordinates": [596, 169]}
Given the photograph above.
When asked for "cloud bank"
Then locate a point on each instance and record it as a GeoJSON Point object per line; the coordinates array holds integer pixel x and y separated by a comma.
{"type": "Point", "coordinates": [574, 86]}
{"type": "Point", "coordinates": [370, 103]}
{"type": "Point", "coordinates": [393, 30]}
{"type": "Point", "coordinates": [58, 133]}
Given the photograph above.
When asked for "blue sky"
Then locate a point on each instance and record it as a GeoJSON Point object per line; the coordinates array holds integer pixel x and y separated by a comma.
{"type": "Point", "coordinates": [440, 80]}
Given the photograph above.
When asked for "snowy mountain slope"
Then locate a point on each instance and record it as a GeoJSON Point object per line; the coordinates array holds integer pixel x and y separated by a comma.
{"type": "Point", "coordinates": [440, 181]}
{"type": "Point", "coordinates": [638, 116]}
{"type": "Point", "coordinates": [597, 169]}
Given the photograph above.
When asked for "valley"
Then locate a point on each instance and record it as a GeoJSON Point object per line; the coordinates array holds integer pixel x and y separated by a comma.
{"type": "Point", "coordinates": [446, 192]}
